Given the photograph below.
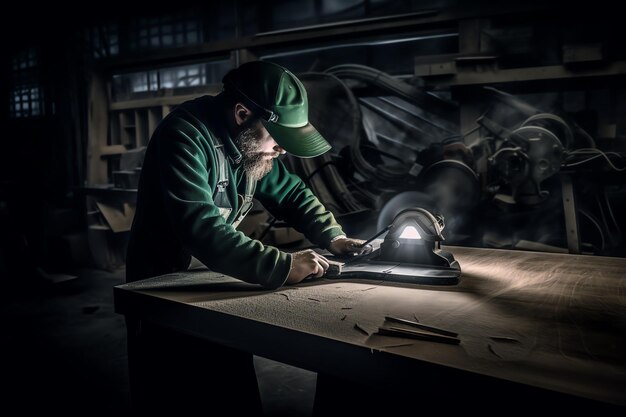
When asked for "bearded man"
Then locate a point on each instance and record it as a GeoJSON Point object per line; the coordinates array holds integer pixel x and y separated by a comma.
{"type": "Point", "coordinates": [204, 164]}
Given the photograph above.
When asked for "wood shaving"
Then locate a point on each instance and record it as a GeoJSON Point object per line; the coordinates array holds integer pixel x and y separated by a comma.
{"type": "Point", "coordinates": [362, 330]}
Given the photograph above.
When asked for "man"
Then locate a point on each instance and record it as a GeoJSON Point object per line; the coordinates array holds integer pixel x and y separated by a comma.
{"type": "Point", "coordinates": [205, 162]}
{"type": "Point", "coordinates": [184, 210]}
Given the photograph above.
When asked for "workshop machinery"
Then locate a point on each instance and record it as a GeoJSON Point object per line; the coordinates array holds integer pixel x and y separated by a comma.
{"type": "Point", "coordinates": [528, 179]}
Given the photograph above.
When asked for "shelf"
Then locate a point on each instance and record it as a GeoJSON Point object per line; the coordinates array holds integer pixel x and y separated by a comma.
{"type": "Point", "coordinates": [491, 75]}
{"type": "Point", "coordinates": [424, 21]}
{"type": "Point", "coordinates": [146, 103]}
{"type": "Point", "coordinates": [112, 150]}
{"type": "Point", "coordinates": [107, 191]}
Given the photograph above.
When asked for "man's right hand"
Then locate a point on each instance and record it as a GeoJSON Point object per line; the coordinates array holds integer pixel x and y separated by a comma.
{"type": "Point", "coordinates": [306, 263]}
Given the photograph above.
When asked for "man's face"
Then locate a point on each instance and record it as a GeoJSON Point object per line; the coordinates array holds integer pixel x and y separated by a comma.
{"type": "Point", "coordinates": [258, 149]}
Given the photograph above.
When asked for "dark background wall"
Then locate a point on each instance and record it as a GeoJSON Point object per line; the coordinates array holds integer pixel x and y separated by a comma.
{"type": "Point", "coordinates": [44, 159]}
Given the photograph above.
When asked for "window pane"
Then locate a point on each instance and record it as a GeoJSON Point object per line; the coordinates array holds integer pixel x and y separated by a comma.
{"type": "Point", "coordinates": [25, 97]}
{"type": "Point", "coordinates": [168, 31]}
{"type": "Point", "coordinates": [124, 85]}
{"type": "Point", "coordinates": [154, 81]}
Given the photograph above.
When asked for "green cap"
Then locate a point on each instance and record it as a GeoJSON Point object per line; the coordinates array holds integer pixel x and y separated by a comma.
{"type": "Point", "coordinates": [280, 99]}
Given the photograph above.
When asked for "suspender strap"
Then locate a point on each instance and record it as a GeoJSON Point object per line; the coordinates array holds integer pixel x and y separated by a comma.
{"type": "Point", "coordinates": [222, 180]}
{"type": "Point", "coordinates": [246, 202]}
{"type": "Point", "coordinates": [221, 197]}
{"type": "Point", "coordinates": [250, 188]}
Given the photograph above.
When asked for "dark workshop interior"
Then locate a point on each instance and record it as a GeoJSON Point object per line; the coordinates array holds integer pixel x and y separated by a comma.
{"type": "Point", "coordinates": [506, 119]}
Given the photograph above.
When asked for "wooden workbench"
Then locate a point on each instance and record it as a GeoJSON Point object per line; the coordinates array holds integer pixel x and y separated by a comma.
{"type": "Point", "coordinates": [537, 322]}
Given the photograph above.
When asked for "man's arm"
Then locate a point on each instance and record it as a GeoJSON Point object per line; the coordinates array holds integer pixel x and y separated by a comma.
{"type": "Point", "coordinates": [184, 154]}
{"type": "Point", "coordinates": [287, 197]}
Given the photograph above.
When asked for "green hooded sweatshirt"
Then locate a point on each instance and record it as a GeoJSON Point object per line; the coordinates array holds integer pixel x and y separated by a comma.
{"type": "Point", "coordinates": [176, 216]}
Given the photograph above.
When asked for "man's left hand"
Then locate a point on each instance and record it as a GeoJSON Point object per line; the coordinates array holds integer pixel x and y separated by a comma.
{"type": "Point", "coordinates": [348, 247]}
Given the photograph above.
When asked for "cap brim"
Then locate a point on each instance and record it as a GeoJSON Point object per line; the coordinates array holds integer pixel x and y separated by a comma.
{"type": "Point", "coordinates": [303, 142]}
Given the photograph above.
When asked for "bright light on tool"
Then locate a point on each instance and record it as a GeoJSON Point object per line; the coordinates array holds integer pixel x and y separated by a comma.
{"type": "Point", "coordinates": [410, 252]}
{"type": "Point", "coordinates": [414, 239]}
{"type": "Point", "coordinates": [410, 232]}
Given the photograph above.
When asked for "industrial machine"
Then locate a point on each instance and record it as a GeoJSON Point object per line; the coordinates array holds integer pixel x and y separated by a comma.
{"type": "Point", "coordinates": [524, 177]}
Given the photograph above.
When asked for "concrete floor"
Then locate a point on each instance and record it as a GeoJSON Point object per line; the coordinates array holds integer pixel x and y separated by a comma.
{"type": "Point", "coordinates": [64, 350]}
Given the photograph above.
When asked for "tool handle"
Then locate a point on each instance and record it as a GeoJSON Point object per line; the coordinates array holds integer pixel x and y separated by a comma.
{"type": "Point", "coordinates": [362, 245]}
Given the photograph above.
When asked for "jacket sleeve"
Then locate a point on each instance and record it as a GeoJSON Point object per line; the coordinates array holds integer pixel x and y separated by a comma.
{"type": "Point", "coordinates": [187, 167]}
{"type": "Point", "coordinates": [286, 196]}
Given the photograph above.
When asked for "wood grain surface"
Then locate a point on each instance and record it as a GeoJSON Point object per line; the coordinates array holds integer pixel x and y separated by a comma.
{"type": "Point", "coordinates": [553, 321]}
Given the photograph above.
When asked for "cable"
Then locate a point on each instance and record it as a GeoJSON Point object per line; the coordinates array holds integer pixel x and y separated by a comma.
{"type": "Point", "coordinates": [318, 170]}
{"type": "Point", "coordinates": [593, 150]}
{"type": "Point", "coordinates": [357, 129]}
{"type": "Point", "coordinates": [612, 230]}
{"type": "Point", "coordinates": [590, 217]}
{"type": "Point", "coordinates": [599, 154]}
{"type": "Point", "coordinates": [319, 186]}
{"type": "Point", "coordinates": [341, 191]}
{"type": "Point", "coordinates": [516, 149]}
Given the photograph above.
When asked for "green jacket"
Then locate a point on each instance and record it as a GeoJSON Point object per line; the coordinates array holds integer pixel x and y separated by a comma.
{"type": "Point", "coordinates": [176, 215]}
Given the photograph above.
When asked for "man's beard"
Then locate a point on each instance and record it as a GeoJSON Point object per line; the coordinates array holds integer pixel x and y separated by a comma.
{"type": "Point", "coordinates": [254, 162]}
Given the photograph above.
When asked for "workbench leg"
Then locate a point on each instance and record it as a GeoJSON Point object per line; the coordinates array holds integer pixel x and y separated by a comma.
{"type": "Point", "coordinates": [177, 374]}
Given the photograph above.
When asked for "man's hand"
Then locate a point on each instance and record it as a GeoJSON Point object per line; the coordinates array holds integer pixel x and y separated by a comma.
{"type": "Point", "coordinates": [306, 263]}
{"type": "Point", "coordinates": [348, 247]}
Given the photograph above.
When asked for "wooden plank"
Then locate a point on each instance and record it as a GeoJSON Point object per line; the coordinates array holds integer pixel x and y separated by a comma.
{"type": "Point", "coordinates": [119, 219]}
{"type": "Point", "coordinates": [489, 74]}
{"type": "Point", "coordinates": [162, 101]}
{"type": "Point", "coordinates": [112, 150]}
{"type": "Point", "coordinates": [422, 326]}
{"type": "Point", "coordinates": [108, 191]}
{"type": "Point", "coordinates": [415, 334]}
